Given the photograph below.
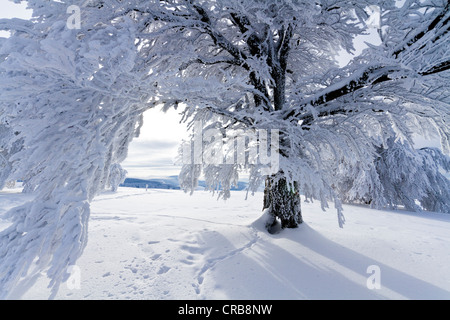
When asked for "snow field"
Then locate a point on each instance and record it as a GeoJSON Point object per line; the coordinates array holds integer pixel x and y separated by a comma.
{"type": "Point", "coordinates": [164, 244]}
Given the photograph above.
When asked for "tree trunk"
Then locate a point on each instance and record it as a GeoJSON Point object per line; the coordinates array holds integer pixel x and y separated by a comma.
{"type": "Point", "coordinates": [283, 202]}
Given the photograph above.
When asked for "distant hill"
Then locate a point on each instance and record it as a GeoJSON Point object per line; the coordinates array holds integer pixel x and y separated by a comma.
{"type": "Point", "coordinates": [167, 183]}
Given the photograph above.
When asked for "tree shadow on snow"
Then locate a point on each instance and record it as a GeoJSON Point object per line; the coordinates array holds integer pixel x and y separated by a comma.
{"type": "Point", "coordinates": [393, 279]}
{"type": "Point", "coordinates": [301, 264]}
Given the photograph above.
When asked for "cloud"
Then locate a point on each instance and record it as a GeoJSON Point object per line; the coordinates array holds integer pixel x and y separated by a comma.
{"type": "Point", "coordinates": [149, 162]}
{"type": "Point", "coordinates": [147, 157]}
{"type": "Point", "coordinates": [153, 145]}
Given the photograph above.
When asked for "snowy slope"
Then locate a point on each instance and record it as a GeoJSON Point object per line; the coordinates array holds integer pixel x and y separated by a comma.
{"type": "Point", "coordinates": [164, 244]}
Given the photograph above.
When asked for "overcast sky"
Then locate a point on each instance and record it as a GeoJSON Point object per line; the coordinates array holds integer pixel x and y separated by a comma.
{"type": "Point", "coordinates": [153, 154]}
{"type": "Point", "coordinates": [155, 151]}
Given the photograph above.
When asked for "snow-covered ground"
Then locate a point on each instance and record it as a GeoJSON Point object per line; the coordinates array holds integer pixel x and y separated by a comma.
{"type": "Point", "coordinates": [164, 244]}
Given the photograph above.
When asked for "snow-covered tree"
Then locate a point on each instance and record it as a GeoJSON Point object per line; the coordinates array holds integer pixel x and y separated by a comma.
{"type": "Point", "coordinates": [75, 100]}
{"type": "Point", "coordinates": [117, 176]}
{"type": "Point", "coordinates": [401, 176]}
{"type": "Point", "coordinates": [251, 65]}
{"type": "Point", "coordinates": [75, 80]}
{"type": "Point", "coordinates": [5, 166]}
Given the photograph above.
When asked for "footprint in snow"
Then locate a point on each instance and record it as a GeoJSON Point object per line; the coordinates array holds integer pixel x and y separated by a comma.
{"type": "Point", "coordinates": [192, 249]}
{"type": "Point", "coordinates": [155, 256]}
{"type": "Point", "coordinates": [163, 269]}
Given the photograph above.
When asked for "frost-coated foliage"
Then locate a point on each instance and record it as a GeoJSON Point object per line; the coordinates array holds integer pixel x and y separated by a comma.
{"type": "Point", "coordinates": [400, 176]}
{"type": "Point", "coordinates": [75, 100]}
{"type": "Point", "coordinates": [72, 100]}
{"type": "Point", "coordinates": [117, 176]}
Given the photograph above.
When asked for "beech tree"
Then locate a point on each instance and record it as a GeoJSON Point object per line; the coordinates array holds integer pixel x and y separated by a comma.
{"type": "Point", "coordinates": [76, 79]}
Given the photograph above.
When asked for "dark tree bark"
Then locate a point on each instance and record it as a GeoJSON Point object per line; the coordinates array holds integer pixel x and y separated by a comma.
{"type": "Point", "coordinates": [282, 199]}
